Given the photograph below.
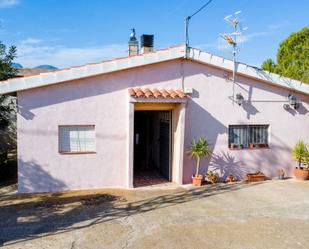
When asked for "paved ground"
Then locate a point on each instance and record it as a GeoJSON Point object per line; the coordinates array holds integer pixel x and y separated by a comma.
{"type": "Point", "coordinates": [272, 214]}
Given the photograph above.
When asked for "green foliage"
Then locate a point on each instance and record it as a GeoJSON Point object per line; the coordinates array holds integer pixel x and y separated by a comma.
{"type": "Point", "coordinates": [300, 152]}
{"type": "Point", "coordinates": [212, 176]}
{"type": "Point", "coordinates": [199, 149]}
{"type": "Point", "coordinates": [269, 65]}
{"type": "Point", "coordinates": [6, 71]}
{"type": "Point", "coordinates": [292, 57]}
{"type": "Point", "coordinates": [7, 123]}
{"type": "Point", "coordinates": [6, 60]}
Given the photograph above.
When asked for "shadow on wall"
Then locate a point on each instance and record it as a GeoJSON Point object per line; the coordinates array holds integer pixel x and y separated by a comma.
{"type": "Point", "coordinates": [248, 106]}
{"type": "Point", "coordinates": [27, 217]}
{"type": "Point", "coordinates": [24, 112]}
{"type": "Point", "coordinates": [226, 164]}
{"type": "Point", "coordinates": [208, 126]}
{"type": "Point", "coordinates": [33, 178]}
{"type": "Point", "coordinates": [302, 109]}
{"type": "Point", "coordinates": [269, 161]}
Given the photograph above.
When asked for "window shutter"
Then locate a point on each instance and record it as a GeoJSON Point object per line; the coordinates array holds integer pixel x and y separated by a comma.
{"type": "Point", "coordinates": [77, 138]}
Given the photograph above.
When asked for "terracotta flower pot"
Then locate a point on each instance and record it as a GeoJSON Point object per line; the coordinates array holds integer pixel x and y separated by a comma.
{"type": "Point", "coordinates": [212, 179]}
{"type": "Point", "coordinates": [301, 174]}
{"type": "Point", "coordinates": [230, 179]}
{"type": "Point", "coordinates": [256, 177]}
{"type": "Point", "coordinates": [233, 146]}
{"type": "Point", "coordinates": [197, 180]}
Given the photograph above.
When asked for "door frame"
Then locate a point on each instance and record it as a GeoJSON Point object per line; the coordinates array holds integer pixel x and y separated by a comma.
{"type": "Point", "coordinates": [170, 140]}
{"type": "Point", "coordinates": [178, 108]}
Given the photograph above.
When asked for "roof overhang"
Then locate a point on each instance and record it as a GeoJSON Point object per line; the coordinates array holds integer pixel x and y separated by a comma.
{"type": "Point", "coordinates": [248, 71]}
{"type": "Point", "coordinates": [172, 53]}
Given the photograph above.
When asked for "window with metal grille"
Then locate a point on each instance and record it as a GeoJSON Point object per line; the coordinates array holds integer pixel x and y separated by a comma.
{"type": "Point", "coordinates": [248, 136]}
{"type": "Point", "coordinates": [77, 139]}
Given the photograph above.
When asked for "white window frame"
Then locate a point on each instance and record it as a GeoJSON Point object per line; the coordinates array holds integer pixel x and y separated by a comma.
{"type": "Point", "coordinates": [249, 138]}
{"type": "Point", "coordinates": [76, 151]}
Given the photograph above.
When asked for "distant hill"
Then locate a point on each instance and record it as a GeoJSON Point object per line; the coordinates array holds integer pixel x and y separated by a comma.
{"type": "Point", "coordinates": [16, 65]}
{"type": "Point", "coordinates": [46, 67]}
{"type": "Point", "coordinates": [23, 72]}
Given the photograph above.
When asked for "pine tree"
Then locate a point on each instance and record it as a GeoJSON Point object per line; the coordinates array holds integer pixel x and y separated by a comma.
{"type": "Point", "coordinates": [7, 120]}
{"type": "Point", "coordinates": [292, 57]}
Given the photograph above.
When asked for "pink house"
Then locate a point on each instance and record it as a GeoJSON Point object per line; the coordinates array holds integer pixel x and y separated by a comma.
{"type": "Point", "coordinates": [106, 124]}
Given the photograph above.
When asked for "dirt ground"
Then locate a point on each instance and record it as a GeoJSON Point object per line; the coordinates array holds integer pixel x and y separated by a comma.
{"type": "Point", "coordinates": [272, 214]}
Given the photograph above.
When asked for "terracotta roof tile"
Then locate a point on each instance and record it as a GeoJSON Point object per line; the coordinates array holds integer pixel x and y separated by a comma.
{"type": "Point", "coordinates": [156, 93]}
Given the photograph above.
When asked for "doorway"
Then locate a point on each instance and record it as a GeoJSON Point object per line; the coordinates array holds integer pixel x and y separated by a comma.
{"type": "Point", "coordinates": [152, 148]}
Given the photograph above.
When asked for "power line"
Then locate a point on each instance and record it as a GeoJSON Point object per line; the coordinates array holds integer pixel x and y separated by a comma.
{"type": "Point", "coordinates": [187, 26]}
{"type": "Point", "coordinates": [200, 9]}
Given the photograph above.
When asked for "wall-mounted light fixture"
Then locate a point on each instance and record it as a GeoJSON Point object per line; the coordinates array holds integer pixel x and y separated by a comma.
{"type": "Point", "coordinates": [286, 107]}
{"type": "Point", "coordinates": [293, 101]}
{"type": "Point", "coordinates": [12, 105]}
{"type": "Point", "coordinates": [239, 99]}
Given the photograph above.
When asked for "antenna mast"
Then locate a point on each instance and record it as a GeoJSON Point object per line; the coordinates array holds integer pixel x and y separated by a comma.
{"type": "Point", "coordinates": [231, 39]}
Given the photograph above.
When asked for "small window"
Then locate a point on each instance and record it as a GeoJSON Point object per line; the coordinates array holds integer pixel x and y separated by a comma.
{"type": "Point", "coordinates": [248, 136]}
{"type": "Point", "coordinates": [77, 139]}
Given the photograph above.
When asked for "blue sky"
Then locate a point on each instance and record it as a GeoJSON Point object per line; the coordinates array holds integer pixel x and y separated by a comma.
{"type": "Point", "coordinates": [73, 32]}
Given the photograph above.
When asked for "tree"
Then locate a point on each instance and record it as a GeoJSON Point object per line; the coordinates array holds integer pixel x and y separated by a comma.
{"type": "Point", "coordinates": [7, 120]}
{"type": "Point", "coordinates": [6, 71]}
{"type": "Point", "coordinates": [6, 60]}
{"type": "Point", "coordinates": [292, 57]}
{"type": "Point", "coordinates": [269, 65]}
{"type": "Point", "coordinates": [199, 149]}
{"type": "Point", "coordinates": [300, 152]}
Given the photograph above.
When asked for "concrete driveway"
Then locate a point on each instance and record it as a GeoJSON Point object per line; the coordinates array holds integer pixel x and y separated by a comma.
{"type": "Point", "coordinates": [272, 214]}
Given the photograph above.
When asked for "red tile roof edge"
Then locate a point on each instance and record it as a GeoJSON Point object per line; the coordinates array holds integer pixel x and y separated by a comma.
{"type": "Point", "coordinates": [145, 92]}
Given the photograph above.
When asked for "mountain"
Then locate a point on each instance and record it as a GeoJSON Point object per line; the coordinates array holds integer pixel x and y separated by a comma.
{"type": "Point", "coordinates": [16, 65]}
{"type": "Point", "coordinates": [46, 67]}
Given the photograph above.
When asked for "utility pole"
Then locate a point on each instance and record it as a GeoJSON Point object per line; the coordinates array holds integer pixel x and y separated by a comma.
{"type": "Point", "coordinates": [187, 36]}
{"type": "Point", "coordinates": [187, 20]}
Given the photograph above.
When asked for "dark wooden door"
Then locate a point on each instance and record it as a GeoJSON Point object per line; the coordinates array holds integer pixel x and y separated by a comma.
{"type": "Point", "coordinates": [165, 145]}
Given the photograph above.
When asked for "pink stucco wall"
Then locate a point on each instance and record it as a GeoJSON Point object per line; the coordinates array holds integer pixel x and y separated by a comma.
{"type": "Point", "coordinates": [103, 100]}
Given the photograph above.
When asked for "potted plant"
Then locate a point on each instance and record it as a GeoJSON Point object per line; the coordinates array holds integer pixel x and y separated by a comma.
{"type": "Point", "coordinates": [281, 174]}
{"type": "Point", "coordinates": [230, 178]}
{"type": "Point", "coordinates": [233, 146]}
{"type": "Point", "coordinates": [211, 176]}
{"type": "Point", "coordinates": [257, 176]}
{"type": "Point", "coordinates": [251, 146]}
{"type": "Point", "coordinates": [198, 149]}
{"type": "Point", "coordinates": [300, 154]}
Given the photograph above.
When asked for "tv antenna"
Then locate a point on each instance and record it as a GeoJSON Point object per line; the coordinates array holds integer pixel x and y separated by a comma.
{"type": "Point", "coordinates": [187, 20]}
{"type": "Point", "coordinates": [231, 40]}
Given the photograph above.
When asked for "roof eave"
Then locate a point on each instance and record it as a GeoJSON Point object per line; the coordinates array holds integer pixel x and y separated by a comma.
{"type": "Point", "coordinates": [249, 71]}
{"type": "Point", "coordinates": [177, 52]}
{"type": "Point", "coordinates": [90, 70]}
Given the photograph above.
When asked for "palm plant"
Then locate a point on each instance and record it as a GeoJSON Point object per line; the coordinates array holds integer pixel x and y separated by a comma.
{"type": "Point", "coordinates": [199, 149]}
{"type": "Point", "coordinates": [300, 152]}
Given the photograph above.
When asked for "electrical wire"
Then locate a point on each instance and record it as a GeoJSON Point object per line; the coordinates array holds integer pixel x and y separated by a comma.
{"type": "Point", "coordinates": [200, 9]}
{"type": "Point", "coordinates": [187, 41]}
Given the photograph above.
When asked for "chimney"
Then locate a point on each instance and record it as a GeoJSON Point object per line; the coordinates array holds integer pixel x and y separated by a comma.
{"type": "Point", "coordinates": [146, 43]}
{"type": "Point", "coordinates": [133, 44]}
